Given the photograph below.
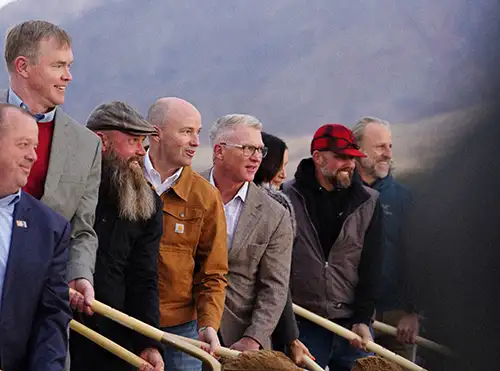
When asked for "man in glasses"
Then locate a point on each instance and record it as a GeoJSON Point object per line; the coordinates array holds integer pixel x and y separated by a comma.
{"type": "Point", "coordinates": [259, 235]}
{"type": "Point", "coordinates": [337, 250]}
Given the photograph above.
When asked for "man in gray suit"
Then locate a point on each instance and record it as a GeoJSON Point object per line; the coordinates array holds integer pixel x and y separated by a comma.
{"type": "Point", "coordinates": [67, 173]}
{"type": "Point", "coordinates": [259, 233]}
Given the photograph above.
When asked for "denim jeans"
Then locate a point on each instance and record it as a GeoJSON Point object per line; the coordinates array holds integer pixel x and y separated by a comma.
{"type": "Point", "coordinates": [179, 361]}
{"type": "Point", "coordinates": [329, 349]}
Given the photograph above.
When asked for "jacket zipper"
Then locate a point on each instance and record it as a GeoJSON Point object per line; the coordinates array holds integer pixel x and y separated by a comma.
{"type": "Point", "coordinates": [322, 253]}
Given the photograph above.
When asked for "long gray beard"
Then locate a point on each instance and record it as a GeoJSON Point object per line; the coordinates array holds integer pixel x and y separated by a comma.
{"type": "Point", "coordinates": [133, 193]}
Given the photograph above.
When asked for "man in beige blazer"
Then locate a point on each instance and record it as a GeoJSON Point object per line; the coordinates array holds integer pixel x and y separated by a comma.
{"type": "Point", "coordinates": [67, 174]}
{"type": "Point", "coordinates": [259, 232]}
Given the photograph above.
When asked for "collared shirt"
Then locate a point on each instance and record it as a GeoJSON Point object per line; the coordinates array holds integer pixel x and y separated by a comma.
{"type": "Point", "coordinates": [7, 206]}
{"type": "Point", "coordinates": [14, 99]}
{"type": "Point", "coordinates": [154, 177]}
{"type": "Point", "coordinates": [233, 209]}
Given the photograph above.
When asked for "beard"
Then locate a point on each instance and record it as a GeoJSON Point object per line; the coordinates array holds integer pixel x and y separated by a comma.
{"type": "Point", "coordinates": [128, 186]}
{"type": "Point", "coordinates": [374, 167]}
{"type": "Point", "coordinates": [342, 178]}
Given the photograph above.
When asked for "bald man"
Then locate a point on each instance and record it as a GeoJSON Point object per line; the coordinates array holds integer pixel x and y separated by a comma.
{"type": "Point", "coordinates": [193, 251]}
{"type": "Point", "coordinates": [34, 246]}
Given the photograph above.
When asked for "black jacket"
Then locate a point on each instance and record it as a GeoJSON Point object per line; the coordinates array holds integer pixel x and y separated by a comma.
{"type": "Point", "coordinates": [125, 278]}
{"type": "Point", "coordinates": [337, 252]}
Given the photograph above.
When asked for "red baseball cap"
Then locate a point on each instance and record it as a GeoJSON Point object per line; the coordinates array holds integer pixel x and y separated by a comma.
{"type": "Point", "coordinates": [336, 138]}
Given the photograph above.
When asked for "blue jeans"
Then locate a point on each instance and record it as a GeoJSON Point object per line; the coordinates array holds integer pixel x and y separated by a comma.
{"type": "Point", "coordinates": [179, 361]}
{"type": "Point", "coordinates": [329, 349]}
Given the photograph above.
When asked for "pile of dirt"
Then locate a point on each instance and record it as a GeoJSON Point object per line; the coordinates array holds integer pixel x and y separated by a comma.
{"type": "Point", "coordinates": [375, 364]}
{"type": "Point", "coordinates": [261, 360]}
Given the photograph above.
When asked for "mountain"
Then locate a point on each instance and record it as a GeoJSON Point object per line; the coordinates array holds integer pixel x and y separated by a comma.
{"type": "Point", "coordinates": [293, 64]}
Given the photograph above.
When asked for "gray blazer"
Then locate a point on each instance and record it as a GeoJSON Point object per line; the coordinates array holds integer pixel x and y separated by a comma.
{"type": "Point", "coordinates": [72, 188]}
{"type": "Point", "coordinates": [259, 269]}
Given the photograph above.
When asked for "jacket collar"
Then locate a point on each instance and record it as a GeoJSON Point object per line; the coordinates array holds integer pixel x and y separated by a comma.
{"type": "Point", "coordinates": [379, 183]}
{"type": "Point", "coordinates": [182, 187]}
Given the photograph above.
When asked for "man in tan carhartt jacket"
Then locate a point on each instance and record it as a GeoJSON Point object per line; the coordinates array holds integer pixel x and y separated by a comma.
{"type": "Point", "coordinates": [192, 265]}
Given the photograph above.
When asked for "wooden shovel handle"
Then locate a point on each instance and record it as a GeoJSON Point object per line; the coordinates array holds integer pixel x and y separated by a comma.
{"type": "Point", "coordinates": [349, 335]}
{"type": "Point", "coordinates": [229, 353]}
{"type": "Point", "coordinates": [107, 344]}
{"type": "Point", "coordinates": [154, 333]}
{"type": "Point", "coordinates": [426, 343]}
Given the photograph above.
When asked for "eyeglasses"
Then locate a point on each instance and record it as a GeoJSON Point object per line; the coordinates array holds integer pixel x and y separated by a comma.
{"type": "Point", "coordinates": [248, 151]}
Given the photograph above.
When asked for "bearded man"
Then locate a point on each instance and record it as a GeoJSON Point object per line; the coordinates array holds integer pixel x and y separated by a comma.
{"type": "Point", "coordinates": [129, 226]}
{"type": "Point", "coordinates": [337, 250]}
{"type": "Point", "coordinates": [393, 307]}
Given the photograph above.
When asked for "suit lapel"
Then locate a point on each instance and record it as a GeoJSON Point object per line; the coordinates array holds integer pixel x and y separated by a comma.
{"type": "Point", "coordinates": [248, 218]}
{"type": "Point", "coordinates": [61, 147]}
{"type": "Point", "coordinates": [247, 221]}
{"type": "Point", "coordinates": [18, 253]}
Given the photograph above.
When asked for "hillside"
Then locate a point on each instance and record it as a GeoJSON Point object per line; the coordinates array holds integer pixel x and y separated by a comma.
{"type": "Point", "coordinates": [293, 66]}
{"type": "Point", "coordinates": [417, 146]}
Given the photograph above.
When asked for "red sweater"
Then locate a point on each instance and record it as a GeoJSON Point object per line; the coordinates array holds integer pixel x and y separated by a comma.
{"type": "Point", "coordinates": [36, 179]}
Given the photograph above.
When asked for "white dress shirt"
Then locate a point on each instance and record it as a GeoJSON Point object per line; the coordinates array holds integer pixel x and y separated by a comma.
{"type": "Point", "coordinates": [154, 177]}
{"type": "Point", "coordinates": [233, 209]}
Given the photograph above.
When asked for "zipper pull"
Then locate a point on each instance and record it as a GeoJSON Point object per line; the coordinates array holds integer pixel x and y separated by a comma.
{"type": "Point", "coordinates": [326, 265]}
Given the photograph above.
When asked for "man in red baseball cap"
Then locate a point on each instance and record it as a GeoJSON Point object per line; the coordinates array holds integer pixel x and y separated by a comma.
{"type": "Point", "coordinates": [337, 251]}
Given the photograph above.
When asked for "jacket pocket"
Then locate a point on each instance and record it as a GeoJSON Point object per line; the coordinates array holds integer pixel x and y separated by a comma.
{"type": "Point", "coordinates": [181, 227]}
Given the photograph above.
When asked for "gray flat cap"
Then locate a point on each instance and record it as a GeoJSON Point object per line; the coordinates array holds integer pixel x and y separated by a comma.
{"type": "Point", "coordinates": [119, 116]}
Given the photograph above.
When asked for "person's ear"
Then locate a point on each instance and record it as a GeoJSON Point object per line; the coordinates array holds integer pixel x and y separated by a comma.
{"type": "Point", "coordinates": [104, 140]}
{"type": "Point", "coordinates": [21, 66]}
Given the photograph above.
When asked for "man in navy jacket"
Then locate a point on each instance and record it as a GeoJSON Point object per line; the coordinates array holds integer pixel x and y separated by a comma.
{"type": "Point", "coordinates": [374, 137]}
{"type": "Point", "coordinates": [34, 297]}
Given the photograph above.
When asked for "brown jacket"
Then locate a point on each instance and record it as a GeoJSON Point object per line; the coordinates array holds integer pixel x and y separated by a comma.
{"type": "Point", "coordinates": [259, 269]}
{"type": "Point", "coordinates": [192, 265]}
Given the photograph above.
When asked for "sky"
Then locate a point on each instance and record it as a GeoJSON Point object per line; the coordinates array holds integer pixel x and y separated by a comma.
{"type": "Point", "coordinates": [5, 2]}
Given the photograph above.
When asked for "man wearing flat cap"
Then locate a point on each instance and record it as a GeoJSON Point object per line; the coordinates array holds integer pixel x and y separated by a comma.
{"type": "Point", "coordinates": [129, 226]}
{"type": "Point", "coordinates": [337, 253]}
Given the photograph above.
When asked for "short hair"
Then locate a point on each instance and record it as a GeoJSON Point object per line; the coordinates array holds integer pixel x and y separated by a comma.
{"type": "Point", "coordinates": [359, 129]}
{"type": "Point", "coordinates": [3, 108]}
{"type": "Point", "coordinates": [157, 113]}
{"type": "Point", "coordinates": [24, 39]}
{"type": "Point", "coordinates": [272, 163]}
{"type": "Point", "coordinates": [227, 123]}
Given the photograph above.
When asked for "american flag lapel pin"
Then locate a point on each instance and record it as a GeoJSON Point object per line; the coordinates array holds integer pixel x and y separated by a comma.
{"type": "Point", "coordinates": [21, 224]}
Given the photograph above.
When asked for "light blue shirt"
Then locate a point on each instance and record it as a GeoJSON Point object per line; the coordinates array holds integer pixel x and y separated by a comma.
{"type": "Point", "coordinates": [7, 205]}
{"type": "Point", "coordinates": [14, 99]}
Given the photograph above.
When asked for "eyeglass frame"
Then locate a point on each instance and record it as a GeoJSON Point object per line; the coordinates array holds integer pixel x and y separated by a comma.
{"type": "Point", "coordinates": [245, 147]}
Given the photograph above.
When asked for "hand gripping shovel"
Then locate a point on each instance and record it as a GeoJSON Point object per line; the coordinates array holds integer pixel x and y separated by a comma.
{"type": "Point", "coordinates": [349, 335]}
{"type": "Point", "coordinates": [155, 334]}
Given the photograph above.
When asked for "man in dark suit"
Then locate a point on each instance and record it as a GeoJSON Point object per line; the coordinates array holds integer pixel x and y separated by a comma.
{"type": "Point", "coordinates": [34, 298]}
{"type": "Point", "coordinates": [129, 227]}
{"type": "Point", "coordinates": [66, 176]}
